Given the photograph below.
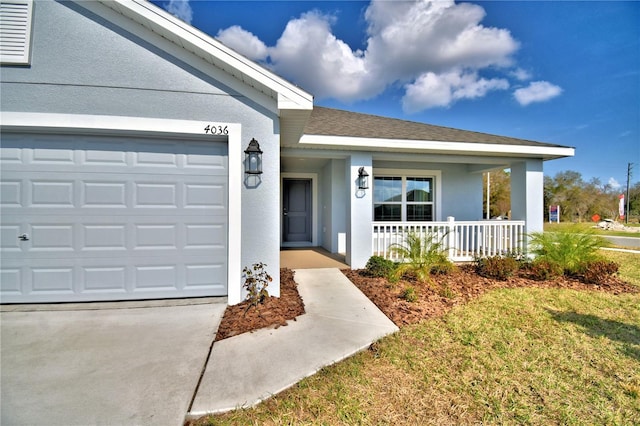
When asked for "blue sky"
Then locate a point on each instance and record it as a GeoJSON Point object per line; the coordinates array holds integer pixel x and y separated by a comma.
{"type": "Point", "coordinates": [560, 72]}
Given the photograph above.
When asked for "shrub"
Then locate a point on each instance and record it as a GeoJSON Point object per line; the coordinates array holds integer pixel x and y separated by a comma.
{"type": "Point", "coordinates": [445, 268]}
{"type": "Point", "coordinates": [542, 270]}
{"type": "Point", "coordinates": [410, 294]}
{"type": "Point", "coordinates": [597, 271]}
{"type": "Point", "coordinates": [496, 267]}
{"type": "Point", "coordinates": [569, 249]}
{"type": "Point", "coordinates": [256, 281]}
{"type": "Point", "coordinates": [378, 266]}
{"type": "Point", "coordinates": [420, 256]}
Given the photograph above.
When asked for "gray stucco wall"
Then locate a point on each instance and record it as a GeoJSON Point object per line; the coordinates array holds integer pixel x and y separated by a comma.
{"type": "Point", "coordinates": [82, 63]}
{"type": "Point", "coordinates": [461, 193]}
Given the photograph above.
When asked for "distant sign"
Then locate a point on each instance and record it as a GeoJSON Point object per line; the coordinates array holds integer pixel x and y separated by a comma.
{"type": "Point", "coordinates": [554, 214]}
{"type": "Point", "coordinates": [621, 206]}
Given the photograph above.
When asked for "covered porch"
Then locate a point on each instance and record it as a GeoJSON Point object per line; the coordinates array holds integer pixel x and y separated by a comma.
{"type": "Point", "coordinates": [323, 206]}
{"type": "Point", "coordinates": [419, 178]}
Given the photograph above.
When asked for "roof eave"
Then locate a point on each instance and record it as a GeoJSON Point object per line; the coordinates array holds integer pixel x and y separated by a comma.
{"type": "Point", "coordinates": [423, 146]}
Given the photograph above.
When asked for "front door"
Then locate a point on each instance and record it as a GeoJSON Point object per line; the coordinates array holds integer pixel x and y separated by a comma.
{"type": "Point", "coordinates": [296, 210]}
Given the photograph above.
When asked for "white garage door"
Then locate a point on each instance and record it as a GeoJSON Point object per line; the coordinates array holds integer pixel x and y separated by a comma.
{"type": "Point", "coordinates": [98, 218]}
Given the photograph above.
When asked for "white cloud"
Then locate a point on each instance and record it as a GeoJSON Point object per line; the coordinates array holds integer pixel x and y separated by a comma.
{"type": "Point", "coordinates": [441, 90]}
{"type": "Point", "coordinates": [309, 54]}
{"type": "Point", "coordinates": [243, 42]}
{"type": "Point", "coordinates": [521, 74]}
{"type": "Point", "coordinates": [180, 9]}
{"type": "Point", "coordinates": [435, 50]}
{"type": "Point", "coordinates": [537, 91]}
{"type": "Point", "coordinates": [614, 183]}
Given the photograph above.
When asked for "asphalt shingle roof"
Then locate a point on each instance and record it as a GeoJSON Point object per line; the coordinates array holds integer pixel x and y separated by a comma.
{"type": "Point", "coordinates": [335, 122]}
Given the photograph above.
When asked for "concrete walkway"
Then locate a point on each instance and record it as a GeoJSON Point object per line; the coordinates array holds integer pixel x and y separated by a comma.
{"type": "Point", "coordinates": [139, 363]}
{"type": "Point", "coordinates": [339, 321]}
{"type": "Point", "coordinates": [111, 364]}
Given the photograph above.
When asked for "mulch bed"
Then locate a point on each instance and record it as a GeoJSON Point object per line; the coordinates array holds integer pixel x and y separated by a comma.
{"type": "Point", "coordinates": [274, 312]}
{"type": "Point", "coordinates": [434, 299]}
{"type": "Point", "coordinates": [459, 287]}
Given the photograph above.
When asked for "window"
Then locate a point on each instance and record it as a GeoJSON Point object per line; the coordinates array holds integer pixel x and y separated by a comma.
{"type": "Point", "coordinates": [403, 198]}
{"type": "Point", "coordinates": [15, 31]}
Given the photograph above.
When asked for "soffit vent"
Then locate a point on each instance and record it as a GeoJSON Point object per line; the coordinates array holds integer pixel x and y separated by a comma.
{"type": "Point", "coordinates": [15, 31]}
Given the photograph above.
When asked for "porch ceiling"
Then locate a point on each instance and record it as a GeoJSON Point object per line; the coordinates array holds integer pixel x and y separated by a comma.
{"type": "Point", "coordinates": [297, 164]}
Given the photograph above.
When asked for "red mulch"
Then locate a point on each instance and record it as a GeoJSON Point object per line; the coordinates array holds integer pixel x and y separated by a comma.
{"type": "Point", "coordinates": [274, 312]}
{"type": "Point", "coordinates": [447, 291]}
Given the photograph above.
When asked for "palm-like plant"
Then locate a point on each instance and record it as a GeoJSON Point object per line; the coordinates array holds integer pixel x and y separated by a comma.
{"type": "Point", "coordinates": [570, 249]}
{"type": "Point", "coordinates": [420, 256]}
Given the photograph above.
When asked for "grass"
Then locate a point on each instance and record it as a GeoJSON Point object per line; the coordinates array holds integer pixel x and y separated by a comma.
{"type": "Point", "coordinates": [519, 356]}
{"type": "Point", "coordinates": [588, 226]}
{"type": "Point", "coordinates": [629, 265]}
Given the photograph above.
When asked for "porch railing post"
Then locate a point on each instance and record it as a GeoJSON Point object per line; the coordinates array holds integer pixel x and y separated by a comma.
{"type": "Point", "coordinates": [451, 235]}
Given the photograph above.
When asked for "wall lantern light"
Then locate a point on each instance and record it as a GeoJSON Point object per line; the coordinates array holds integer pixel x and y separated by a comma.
{"type": "Point", "coordinates": [363, 178]}
{"type": "Point", "coordinates": [253, 158]}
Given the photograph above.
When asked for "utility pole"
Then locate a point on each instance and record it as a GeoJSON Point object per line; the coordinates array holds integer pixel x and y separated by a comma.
{"type": "Point", "coordinates": [629, 167]}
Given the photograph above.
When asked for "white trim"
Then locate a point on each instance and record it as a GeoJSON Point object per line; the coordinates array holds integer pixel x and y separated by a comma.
{"type": "Point", "coordinates": [435, 174]}
{"type": "Point", "coordinates": [314, 206]}
{"type": "Point", "coordinates": [394, 145]}
{"type": "Point", "coordinates": [136, 126]}
{"type": "Point", "coordinates": [152, 17]}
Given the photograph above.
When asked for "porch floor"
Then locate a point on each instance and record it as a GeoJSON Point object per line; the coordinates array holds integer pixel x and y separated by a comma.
{"type": "Point", "coordinates": [310, 258]}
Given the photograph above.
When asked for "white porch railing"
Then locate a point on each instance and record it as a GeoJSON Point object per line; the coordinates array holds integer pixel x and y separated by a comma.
{"type": "Point", "coordinates": [462, 240]}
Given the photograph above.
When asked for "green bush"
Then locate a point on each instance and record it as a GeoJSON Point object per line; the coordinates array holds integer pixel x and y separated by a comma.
{"type": "Point", "coordinates": [420, 257]}
{"type": "Point", "coordinates": [597, 271]}
{"type": "Point", "coordinates": [379, 267]}
{"type": "Point", "coordinates": [410, 294]}
{"type": "Point", "coordinates": [569, 249]}
{"type": "Point", "coordinates": [445, 268]}
{"type": "Point", "coordinates": [542, 270]}
{"type": "Point", "coordinates": [497, 267]}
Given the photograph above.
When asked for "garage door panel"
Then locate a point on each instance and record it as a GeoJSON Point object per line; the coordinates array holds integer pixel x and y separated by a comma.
{"type": "Point", "coordinates": [52, 279]}
{"type": "Point", "coordinates": [11, 193]}
{"type": "Point", "coordinates": [103, 236]}
{"type": "Point", "coordinates": [104, 279]}
{"type": "Point", "coordinates": [103, 194]}
{"type": "Point", "coordinates": [204, 275]}
{"type": "Point", "coordinates": [108, 224]}
{"type": "Point", "coordinates": [11, 280]}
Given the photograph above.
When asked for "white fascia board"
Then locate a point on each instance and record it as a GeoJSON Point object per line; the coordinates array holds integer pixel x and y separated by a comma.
{"type": "Point", "coordinates": [196, 41]}
{"type": "Point", "coordinates": [95, 124]}
{"type": "Point", "coordinates": [401, 145]}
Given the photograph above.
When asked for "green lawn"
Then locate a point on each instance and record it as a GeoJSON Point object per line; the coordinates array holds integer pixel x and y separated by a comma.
{"type": "Point", "coordinates": [520, 356]}
{"type": "Point", "coordinates": [588, 226]}
{"type": "Point", "coordinates": [629, 265]}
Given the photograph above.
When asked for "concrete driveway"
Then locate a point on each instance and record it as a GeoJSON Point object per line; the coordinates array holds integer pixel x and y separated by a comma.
{"type": "Point", "coordinates": [121, 364]}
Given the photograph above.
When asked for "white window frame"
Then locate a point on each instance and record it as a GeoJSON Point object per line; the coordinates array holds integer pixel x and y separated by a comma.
{"type": "Point", "coordinates": [436, 175]}
{"type": "Point", "coordinates": [20, 52]}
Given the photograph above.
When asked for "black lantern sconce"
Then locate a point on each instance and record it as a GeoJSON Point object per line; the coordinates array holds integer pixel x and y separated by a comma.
{"type": "Point", "coordinates": [363, 178]}
{"type": "Point", "coordinates": [253, 158]}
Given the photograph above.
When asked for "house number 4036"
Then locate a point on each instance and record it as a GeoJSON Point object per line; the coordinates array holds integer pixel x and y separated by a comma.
{"type": "Point", "coordinates": [216, 130]}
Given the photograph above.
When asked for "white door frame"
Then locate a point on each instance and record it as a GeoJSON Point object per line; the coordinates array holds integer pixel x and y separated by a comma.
{"type": "Point", "coordinates": [314, 208]}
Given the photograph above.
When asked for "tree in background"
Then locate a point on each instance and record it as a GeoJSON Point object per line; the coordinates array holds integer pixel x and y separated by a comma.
{"type": "Point", "coordinates": [580, 200]}
{"type": "Point", "coordinates": [500, 198]}
{"type": "Point", "coordinates": [634, 200]}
